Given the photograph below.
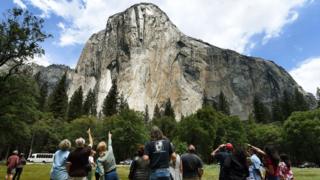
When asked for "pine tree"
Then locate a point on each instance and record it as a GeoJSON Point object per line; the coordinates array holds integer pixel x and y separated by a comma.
{"type": "Point", "coordinates": [156, 112]}
{"type": "Point", "coordinates": [110, 104]}
{"type": "Point", "coordinates": [100, 115]}
{"type": "Point", "coordinates": [37, 77]}
{"type": "Point", "coordinates": [277, 114]}
{"type": "Point", "coordinates": [261, 113]}
{"type": "Point", "coordinates": [215, 105]}
{"type": "Point", "coordinates": [168, 110]}
{"type": "Point", "coordinates": [257, 110]}
{"type": "Point", "coordinates": [123, 104]}
{"type": "Point", "coordinates": [287, 104]}
{"type": "Point", "coordinates": [300, 103]}
{"type": "Point", "coordinates": [223, 105]}
{"type": "Point", "coordinates": [43, 97]}
{"type": "Point", "coordinates": [251, 119]}
{"type": "Point", "coordinates": [146, 114]}
{"type": "Point", "coordinates": [182, 117]}
{"type": "Point", "coordinates": [43, 92]}
{"type": "Point", "coordinates": [75, 105]}
{"type": "Point", "coordinates": [205, 100]}
{"type": "Point", "coordinates": [89, 105]}
{"type": "Point", "coordinates": [58, 101]}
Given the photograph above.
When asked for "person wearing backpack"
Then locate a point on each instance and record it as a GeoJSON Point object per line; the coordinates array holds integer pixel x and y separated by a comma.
{"type": "Point", "coordinates": [221, 153]}
{"type": "Point", "coordinates": [235, 166]}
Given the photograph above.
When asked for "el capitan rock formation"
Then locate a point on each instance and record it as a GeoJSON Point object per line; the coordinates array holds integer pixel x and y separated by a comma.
{"type": "Point", "coordinates": [152, 61]}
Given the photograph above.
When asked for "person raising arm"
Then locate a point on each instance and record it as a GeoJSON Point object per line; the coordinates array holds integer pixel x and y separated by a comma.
{"type": "Point", "coordinates": [214, 152]}
{"type": "Point", "coordinates": [271, 161]}
{"type": "Point", "coordinates": [90, 138]}
{"type": "Point", "coordinates": [78, 160]}
{"type": "Point", "coordinates": [221, 153]}
{"type": "Point", "coordinates": [106, 161]}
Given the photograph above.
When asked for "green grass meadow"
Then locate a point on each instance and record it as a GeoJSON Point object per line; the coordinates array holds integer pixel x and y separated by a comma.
{"type": "Point", "coordinates": [42, 171]}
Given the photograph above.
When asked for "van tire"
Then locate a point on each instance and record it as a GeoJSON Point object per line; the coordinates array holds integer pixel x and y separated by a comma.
{"type": "Point", "coordinates": [43, 162]}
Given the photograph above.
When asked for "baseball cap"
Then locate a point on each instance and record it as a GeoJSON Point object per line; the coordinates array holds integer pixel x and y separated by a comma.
{"type": "Point", "coordinates": [229, 146]}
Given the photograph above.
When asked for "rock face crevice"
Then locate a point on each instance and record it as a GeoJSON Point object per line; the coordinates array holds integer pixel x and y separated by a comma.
{"type": "Point", "coordinates": [152, 61]}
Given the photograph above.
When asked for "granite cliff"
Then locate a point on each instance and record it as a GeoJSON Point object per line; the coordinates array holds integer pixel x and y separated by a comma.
{"type": "Point", "coordinates": [152, 61]}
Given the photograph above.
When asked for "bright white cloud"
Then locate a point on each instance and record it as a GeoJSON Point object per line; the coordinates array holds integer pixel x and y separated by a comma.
{"type": "Point", "coordinates": [44, 60]}
{"type": "Point", "coordinates": [228, 23]}
{"type": "Point", "coordinates": [307, 74]}
{"type": "Point", "coordinates": [20, 4]}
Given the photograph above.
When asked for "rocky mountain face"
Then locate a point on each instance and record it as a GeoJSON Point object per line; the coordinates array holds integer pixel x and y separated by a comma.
{"type": "Point", "coordinates": [51, 74]}
{"type": "Point", "coordinates": [153, 61]}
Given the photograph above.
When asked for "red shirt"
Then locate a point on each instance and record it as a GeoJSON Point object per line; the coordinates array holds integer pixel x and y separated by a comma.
{"type": "Point", "coordinates": [13, 161]}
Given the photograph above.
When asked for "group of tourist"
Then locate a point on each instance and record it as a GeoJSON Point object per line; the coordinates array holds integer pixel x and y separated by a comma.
{"type": "Point", "coordinates": [157, 160]}
{"type": "Point", "coordinates": [80, 164]}
{"type": "Point", "coordinates": [245, 164]}
{"type": "Point", "coordinates": [15, 165]}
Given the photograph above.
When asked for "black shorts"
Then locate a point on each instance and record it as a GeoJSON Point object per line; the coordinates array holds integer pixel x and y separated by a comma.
{"type": "Point", "coordinates": [11, 171]}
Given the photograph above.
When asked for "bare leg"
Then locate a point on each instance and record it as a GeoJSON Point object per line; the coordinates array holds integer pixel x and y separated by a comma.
{"type": "Point", "coordinates": [9, 177]}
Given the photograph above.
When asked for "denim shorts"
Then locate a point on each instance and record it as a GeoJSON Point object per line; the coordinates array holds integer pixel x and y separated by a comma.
{"type": "Point", "coordinates": [112, 175]}
{"type": "Point", "coordinates": [160, 174]}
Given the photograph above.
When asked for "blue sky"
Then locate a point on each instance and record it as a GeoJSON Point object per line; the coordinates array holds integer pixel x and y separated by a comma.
{"type": "Point", "coordinates": [298, 41]}
{"type": "Point", "coordinates": [285, 31]}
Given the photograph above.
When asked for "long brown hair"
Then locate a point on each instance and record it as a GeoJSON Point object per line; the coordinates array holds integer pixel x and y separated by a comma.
{"type": "Point", "coordinates": [272, 153]}
{"type": "Point", "coordinates": [156, 134]}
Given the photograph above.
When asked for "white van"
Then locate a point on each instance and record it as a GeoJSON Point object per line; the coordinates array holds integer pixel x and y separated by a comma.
{"type": "Point", "coordinates": [41, 158]}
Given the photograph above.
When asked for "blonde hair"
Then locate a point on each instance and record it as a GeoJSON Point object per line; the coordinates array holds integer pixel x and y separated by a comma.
{"type": "Point", "coordinates": [65, 144]}
{"type": "Point", "coordinates": [102, 146]}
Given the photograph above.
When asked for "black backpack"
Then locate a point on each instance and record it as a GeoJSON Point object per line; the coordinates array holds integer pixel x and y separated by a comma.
{"type": "Point", "coordinates": [234, 170]}
{"type": "Point", "coordinates": [23, 161]}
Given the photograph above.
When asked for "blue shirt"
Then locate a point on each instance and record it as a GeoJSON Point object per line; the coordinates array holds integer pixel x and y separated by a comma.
{"type": "Point", "coordinates": [254, 168]}
{"type": "Point", "coordinates": [59, 171]}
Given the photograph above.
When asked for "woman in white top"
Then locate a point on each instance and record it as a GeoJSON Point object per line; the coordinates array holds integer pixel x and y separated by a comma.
{"type": "Point", "coordinates": [175, 168]}
{"type": "Point", "coordinates": [92, 164]}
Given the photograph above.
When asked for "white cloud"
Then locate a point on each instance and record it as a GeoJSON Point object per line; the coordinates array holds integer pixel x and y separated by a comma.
{"type": "Point", "coordinates": [20, 4]}
{"type": "Point", "coordinates": [228, 23]}
{"type": "Point", "coordinates": [44, 60]}
{"type": "Point", "coordinates": [307, 74]}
